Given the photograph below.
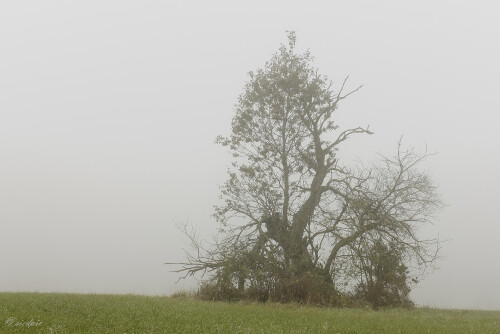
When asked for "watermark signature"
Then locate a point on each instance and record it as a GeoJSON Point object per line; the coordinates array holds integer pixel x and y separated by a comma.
{"type": "Point", "coordinates": [13, 322]}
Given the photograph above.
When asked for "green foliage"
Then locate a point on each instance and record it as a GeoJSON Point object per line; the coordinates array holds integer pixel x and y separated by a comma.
{"type": "Point", "coordinates": [385, 277]}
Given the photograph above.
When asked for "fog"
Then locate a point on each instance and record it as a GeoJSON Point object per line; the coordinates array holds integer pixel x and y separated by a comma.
{"type": "Point", "coordinates": [109, 111]}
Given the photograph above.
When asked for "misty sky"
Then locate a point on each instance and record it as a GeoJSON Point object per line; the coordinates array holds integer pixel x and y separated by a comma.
{"type": "Point", "coordinates": [109, 111]}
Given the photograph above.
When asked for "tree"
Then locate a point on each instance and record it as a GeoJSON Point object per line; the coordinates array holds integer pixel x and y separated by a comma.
{"type": "Point", "coordinates": [291, 211]}
{"type": "Point", "coordinates": [384, 276]}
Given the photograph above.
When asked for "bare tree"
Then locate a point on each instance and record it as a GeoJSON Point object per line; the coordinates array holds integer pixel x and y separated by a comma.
{"type": "Point", "coordinates": [292, 212]}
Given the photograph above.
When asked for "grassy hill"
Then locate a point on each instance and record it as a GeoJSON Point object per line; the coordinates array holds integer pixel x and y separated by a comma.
{"type": "Point", "coordinates": [72, 313]}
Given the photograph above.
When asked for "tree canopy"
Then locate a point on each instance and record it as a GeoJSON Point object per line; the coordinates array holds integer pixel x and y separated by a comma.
{"type": "Point", "coordinates": [295, 220]}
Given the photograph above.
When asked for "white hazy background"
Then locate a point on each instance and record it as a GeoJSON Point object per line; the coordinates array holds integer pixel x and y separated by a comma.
{"type": "Point", "coordinates": [109, 111]}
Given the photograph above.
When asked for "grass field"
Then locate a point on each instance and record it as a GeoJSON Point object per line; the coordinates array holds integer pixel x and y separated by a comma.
{"type": "Point", "coordinates": [71, 313]}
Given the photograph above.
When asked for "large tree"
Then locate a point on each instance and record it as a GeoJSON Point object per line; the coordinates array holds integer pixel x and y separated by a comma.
{"type": "Point", "coordinates": [292, 214]}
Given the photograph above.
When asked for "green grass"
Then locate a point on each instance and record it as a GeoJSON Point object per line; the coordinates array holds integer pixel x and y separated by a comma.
{"type": "Point", "coordinates": [71, 313]}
